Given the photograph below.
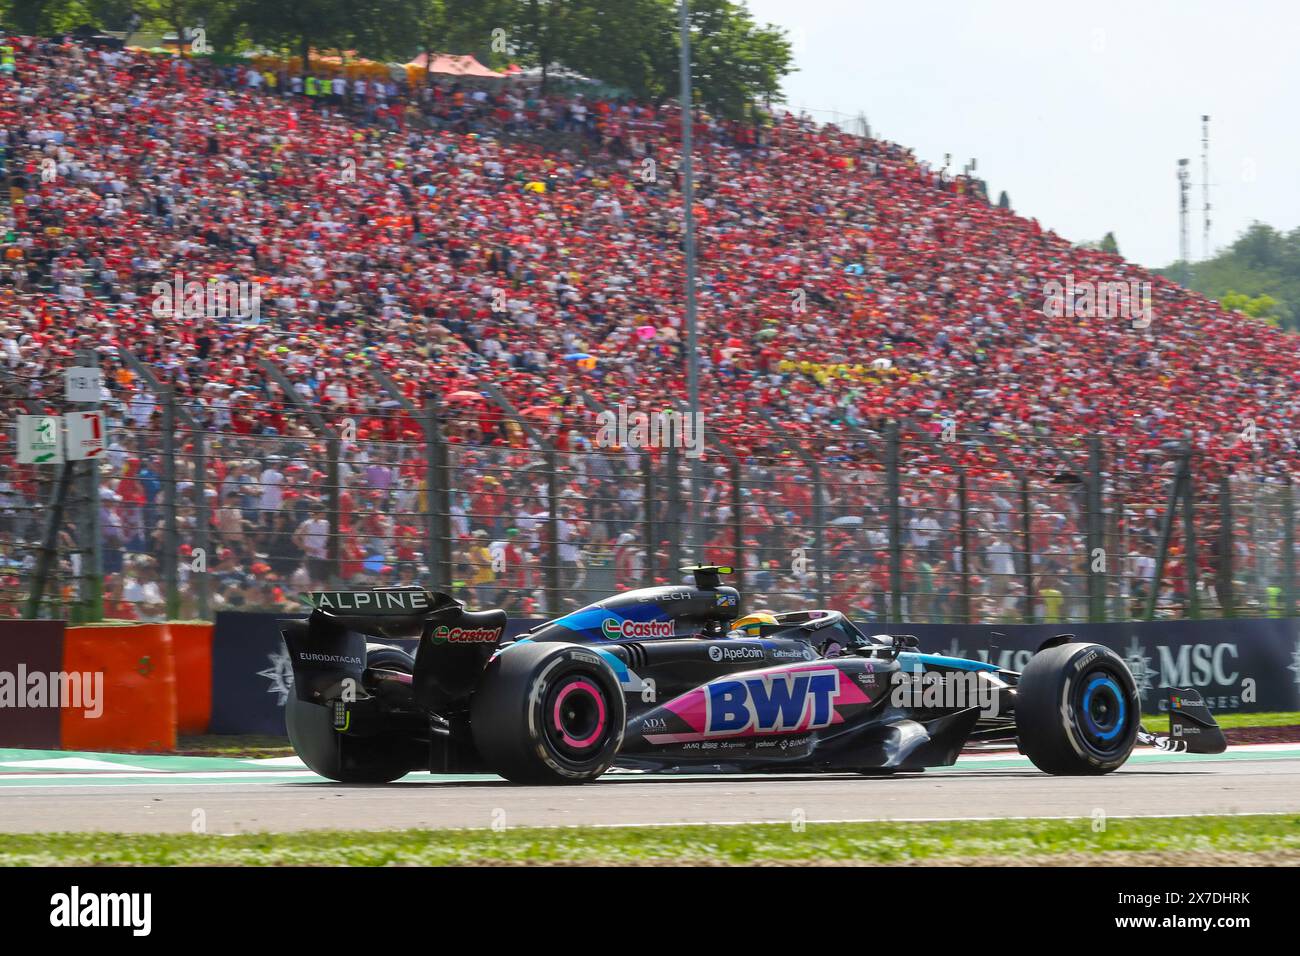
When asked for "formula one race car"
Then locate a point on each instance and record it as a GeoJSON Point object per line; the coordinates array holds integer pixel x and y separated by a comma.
{"type": "Point", "coordinates": [668, 679]}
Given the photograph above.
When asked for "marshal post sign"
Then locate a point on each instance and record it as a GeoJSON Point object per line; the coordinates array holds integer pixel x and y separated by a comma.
{"type": "Point", "coordinates": [40, 440]}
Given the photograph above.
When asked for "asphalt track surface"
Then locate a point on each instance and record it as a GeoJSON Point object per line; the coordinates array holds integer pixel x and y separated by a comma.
{"type": "Point", "coordinates": [44, 792]}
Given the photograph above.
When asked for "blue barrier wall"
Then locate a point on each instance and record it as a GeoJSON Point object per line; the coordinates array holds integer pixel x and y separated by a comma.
{"type": "Point", "coordinates": [1229, 661]}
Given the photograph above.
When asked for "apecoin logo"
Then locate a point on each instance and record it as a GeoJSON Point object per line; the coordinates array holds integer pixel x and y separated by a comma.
{"type": "Point", "coordinates": [742, 653]}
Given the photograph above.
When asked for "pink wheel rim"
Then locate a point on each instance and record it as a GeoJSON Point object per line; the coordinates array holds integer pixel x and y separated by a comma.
{"type": "Point", "coordinates": [582, 687]}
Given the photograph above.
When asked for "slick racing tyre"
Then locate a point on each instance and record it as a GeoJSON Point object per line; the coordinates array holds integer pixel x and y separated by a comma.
{"type": "Point", "coordinates": [548, 713]}
{"type": "Point", "coordinates": [347, 759]}
{"type": "Point", "coordinates": [1077, 710]}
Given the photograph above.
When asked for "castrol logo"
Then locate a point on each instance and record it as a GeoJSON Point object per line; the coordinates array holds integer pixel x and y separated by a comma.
{"type": "Point", "coordinates": [467, 635]}
{"type": "Point", "coordinates": [632, 630]}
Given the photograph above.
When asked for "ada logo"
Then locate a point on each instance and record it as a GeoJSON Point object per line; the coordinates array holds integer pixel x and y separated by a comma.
{"type": "Point", "coordinates": [743, 652]}
{"type": "Point", "coordinates": [615, 630]}
{"type": "Point", "coordinates": [772, 703]}
{"type": "Point", "coordinates": [466, 635]}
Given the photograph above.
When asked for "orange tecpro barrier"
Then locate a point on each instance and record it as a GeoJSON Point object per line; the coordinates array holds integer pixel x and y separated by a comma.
{"type": "Point", "coordinates": [192, 652]}
{"type": "Point", "coordinates": [134, 704]}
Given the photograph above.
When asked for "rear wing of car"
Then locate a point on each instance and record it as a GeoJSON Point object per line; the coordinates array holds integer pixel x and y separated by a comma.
{"type": "Point", "coordinates": [381, 612]}
{"type": "Point", "coordinates": [328, 650]}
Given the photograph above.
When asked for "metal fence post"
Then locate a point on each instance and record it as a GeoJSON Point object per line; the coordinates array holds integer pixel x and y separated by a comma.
{"type": "Point", "coordinates": [1288, 545]}
{"type": "Point", "coordinates": [1116, 609]}
{"type": "Point", "coordinates": [435, 514]}
{"type": "Point", "coordinates": [737, 524]}
{"type": "Point", "coordinates": [1096, 535]}
{"type": "Point", "coordinates": [648, 516]}
{"type": "Point", "coordinates": [442, 504]}
{"type": "Point", "coordinates": [819, 531]}
{"type": "Point", "coordinates": [1224, 584]}
{"type": "Point", "coordinates": [1254, 574]}
{"type": "Point", "coordinates": [963, 539]}
{"type": "Point", "coordinates": [699, 533]}
{"type": "Point", "coordinates": [332, 477]}
{"type": "Point", "coordinates": [171, 542]}
{"type": "Point", "coordinates": [1191, 572]}
{"type": "Point", "coordinates": [672, 478]}
{"type": "Point", "coordinates": [202, 522]}
{"type": "Point", "coordinates": [895, 504]}
{"type": "Point", "coordinates": [1027, 558]}
{"type": "Point", "coordinates": [93, 557]}
{"type": "Point", "coordinates": [553, 579]}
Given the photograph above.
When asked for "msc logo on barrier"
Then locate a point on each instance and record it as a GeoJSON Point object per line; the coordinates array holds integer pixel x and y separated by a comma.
{"type": "Point", "coordinates": [772, 703]}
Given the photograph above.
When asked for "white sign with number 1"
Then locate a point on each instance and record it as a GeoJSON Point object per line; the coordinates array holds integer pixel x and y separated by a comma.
{"type": "Point", "coordinates": [85, 435]}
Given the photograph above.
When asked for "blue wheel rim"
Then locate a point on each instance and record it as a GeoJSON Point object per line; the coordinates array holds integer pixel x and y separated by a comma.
{"type": "Point", "coordinates": [1103, 695]}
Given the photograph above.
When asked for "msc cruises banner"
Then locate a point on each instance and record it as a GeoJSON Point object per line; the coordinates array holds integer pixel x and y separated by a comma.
{"type": "Point", "coordinates": [1238, 665]}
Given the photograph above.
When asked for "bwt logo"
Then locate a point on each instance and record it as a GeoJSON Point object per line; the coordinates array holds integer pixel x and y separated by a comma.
{"type": "Point", "coordinates": [1090, 300]}
{"type": "Point", "coordinates": [772, 703]}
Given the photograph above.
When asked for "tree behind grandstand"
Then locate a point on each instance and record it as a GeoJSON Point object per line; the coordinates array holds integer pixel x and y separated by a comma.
{"type": "Point", "coordinates": [628, 44]}
{"type": "Point", "coordinates": [1259, 275]}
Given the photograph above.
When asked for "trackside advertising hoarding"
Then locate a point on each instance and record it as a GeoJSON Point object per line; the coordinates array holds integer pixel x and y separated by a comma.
{"type": "Point", "coordinates": [1237, 665]}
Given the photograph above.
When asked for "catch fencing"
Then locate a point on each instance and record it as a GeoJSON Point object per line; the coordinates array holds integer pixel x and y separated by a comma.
{"type": "Point", "coordinates": [243, 503]}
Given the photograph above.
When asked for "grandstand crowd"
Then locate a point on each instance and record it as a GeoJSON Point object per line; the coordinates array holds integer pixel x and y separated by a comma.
{"type": "Point", "coordinates": [458, 237]}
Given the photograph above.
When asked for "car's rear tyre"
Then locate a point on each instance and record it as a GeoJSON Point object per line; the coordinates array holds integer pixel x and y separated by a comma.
{"type": "Point", "coordinates": [1077, 710]}
{"type": "Point", "coordinates": [548, 713]}
{"type": "Point", "coordinates": [347, 759]}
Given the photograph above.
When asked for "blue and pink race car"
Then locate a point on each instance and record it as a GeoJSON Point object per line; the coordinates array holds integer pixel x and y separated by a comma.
{"type": "Point", "coordinates": [673, 679]}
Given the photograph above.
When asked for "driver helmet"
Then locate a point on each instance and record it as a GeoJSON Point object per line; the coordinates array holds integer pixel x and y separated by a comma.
{"type": "Point", "coordinates": [750, 624]}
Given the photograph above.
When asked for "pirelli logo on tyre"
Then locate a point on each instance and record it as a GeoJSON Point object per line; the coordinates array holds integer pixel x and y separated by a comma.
{"type": "Point", "coordinates": [465, 635]}
{"type": "Point", "coordinates": [1084, 661]}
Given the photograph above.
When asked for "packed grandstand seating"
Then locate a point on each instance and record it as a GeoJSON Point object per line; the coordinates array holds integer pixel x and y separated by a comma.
{"type": "Point", "coordinates": [458, 238]}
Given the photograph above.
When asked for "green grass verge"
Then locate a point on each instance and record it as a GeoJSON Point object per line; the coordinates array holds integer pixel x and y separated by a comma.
{"type": "Point", "coordinates": [1172, 839]}
{"type": "Point", "coordinates": [1284, 718]}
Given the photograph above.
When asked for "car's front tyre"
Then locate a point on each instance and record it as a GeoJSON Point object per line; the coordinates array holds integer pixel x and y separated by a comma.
{"type": "Point", "coordinates": [1077, 710]}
